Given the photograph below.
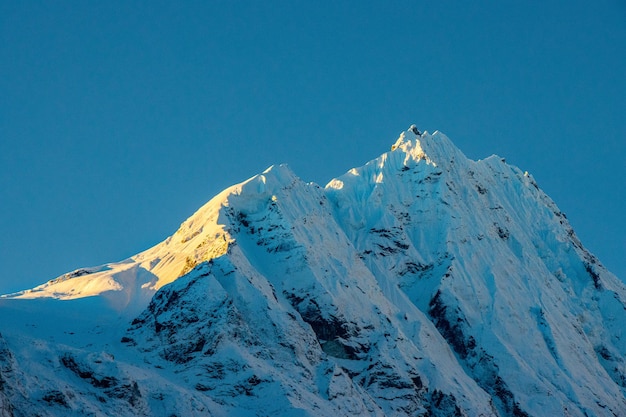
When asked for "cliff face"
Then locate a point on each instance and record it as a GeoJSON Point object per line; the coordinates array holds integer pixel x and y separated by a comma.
{"type": "Point", "coordinates": [422, 283]}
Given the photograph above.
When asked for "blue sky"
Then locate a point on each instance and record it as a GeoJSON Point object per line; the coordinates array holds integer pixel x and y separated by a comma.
{"type": "Point", "coordinates": [119, 119]}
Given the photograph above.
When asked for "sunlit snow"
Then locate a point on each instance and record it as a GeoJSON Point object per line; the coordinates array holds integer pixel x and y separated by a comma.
{"type": "Point", "coordinates": [421, 283]}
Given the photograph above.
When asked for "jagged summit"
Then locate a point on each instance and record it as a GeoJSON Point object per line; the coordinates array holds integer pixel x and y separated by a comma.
{"type": "Point", "coordinates": [412, 133]}
{"type": "Point", "coordinates": [408, 150]}
{"type": "Point", "coordinates": [270, 180]}
{"type": "Point", "coordinates": [422, 283]}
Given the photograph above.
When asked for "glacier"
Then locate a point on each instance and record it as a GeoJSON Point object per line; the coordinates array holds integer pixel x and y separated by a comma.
{"type": "Point", "coordinates": [420, 284]}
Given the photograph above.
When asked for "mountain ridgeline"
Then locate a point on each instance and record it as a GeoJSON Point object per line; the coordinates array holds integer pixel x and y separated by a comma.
{"type": "Point", "coordinates": [420, 284]}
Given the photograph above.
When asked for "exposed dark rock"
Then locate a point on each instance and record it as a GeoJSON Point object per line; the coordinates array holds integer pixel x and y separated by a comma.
{"type": "Point", "coordinates": [182, 351]}
{"type": "Point", "coordinates": [443, 405]}
{"type": "Point", "coordinates": [55, 397]}
{"type": "Point", "coordinates": [85, 372]}
{"type": "Point", "coordinates": [594, 275]}
{"type": "Point", "coordinates": [613, 364]}
{"type": "Point", "coordinates": [450, 328]}
{"type": "Point", "coordinates": [410, 267]}
{"type": "Point", "coordinates": [480, 364]}
{"type": "Point", "coordinates": [128, 340]}
{"type": "Point", "coordinates": [111, 386]}
{"type": "Point", "coordinates": [502, 232]}
{"type": "Point", "coordinates": [129, 392]}
{"type": "Point", "coordinates": [80, 370]}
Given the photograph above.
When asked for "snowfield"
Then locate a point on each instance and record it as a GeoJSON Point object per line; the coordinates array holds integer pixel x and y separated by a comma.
{"type": "Point", "coordinates": [420, 284]}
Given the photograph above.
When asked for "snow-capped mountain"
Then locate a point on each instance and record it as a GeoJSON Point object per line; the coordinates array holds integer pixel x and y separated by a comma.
{"type": "Point", "coordinates": [420, 284]}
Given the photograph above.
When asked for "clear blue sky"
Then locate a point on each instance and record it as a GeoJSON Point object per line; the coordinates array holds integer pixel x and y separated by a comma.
{"type": "Point", "coordinates": [119, 119]}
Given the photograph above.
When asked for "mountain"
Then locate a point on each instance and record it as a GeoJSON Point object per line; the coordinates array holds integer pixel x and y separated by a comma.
{"type": "Point", "coordinates": [420, 284]}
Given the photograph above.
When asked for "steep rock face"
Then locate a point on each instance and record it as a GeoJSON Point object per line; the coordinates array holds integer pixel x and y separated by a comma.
{"type": "Point", "coordinates": [292, 305]}
{"type": "Point", "coordinates": [422, 283]}
{"type": "Point", "coordinates": [496, 266]}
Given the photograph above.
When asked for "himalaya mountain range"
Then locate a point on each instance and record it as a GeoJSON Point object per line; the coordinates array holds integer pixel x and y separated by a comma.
{"type": "Point", "coordinates": [420, 284]}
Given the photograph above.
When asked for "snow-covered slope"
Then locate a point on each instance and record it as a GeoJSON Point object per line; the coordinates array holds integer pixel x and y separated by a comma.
{"type": "Point", "coordinates": [422, 283]}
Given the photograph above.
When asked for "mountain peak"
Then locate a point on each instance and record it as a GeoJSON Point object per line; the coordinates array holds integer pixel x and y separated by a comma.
{"type": "Point", "coordinates": [421, 283]}
{"type": "Point", "coordinates": [435, 148]}
{"type": "Point", "coordinates": [273, 178]}
{"type": "Point", "coordinates": [411, 149]}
